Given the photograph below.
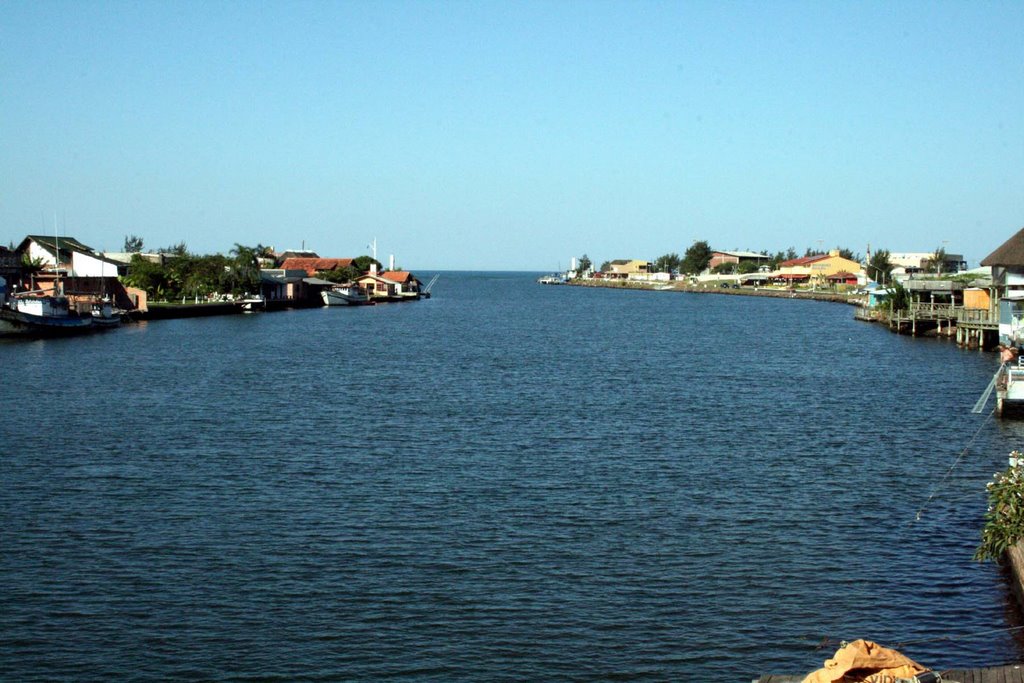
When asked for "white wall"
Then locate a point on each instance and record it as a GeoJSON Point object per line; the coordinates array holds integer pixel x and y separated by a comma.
{"type": "Point", "coordinates": [83, 265]}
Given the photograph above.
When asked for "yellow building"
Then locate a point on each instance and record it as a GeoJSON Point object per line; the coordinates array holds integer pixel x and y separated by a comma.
{"type": "Point", "coordinates": [624, 268]}
{"type": "Point", "coordinates": [818, 267]}
{"type": "Point", "coordinates": [977, 299]}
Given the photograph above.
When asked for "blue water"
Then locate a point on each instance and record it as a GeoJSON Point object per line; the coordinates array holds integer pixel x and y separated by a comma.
{"type": "Point", "coordinates": [505, 482]}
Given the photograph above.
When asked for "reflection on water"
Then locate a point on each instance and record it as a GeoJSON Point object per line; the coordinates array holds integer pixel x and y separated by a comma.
{"type": "Point", "coordinates": [507, 481]}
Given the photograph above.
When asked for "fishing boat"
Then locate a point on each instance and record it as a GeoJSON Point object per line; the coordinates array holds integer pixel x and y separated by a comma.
{"type": "Point", "coordinates": [344, 295]}
{"type": "Point", "coordinates": [551, 280]}
{"type": "Point", "coordinates": [53, 315]}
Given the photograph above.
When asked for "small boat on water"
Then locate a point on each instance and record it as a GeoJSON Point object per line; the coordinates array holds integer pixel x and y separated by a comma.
{"type": "Point", "coordinates": [551, 280]}
{"type": "Point", "coordinates": [253, 303]}
{"type": "Point", "coordinates": [53, 315]}
{"type": "Point", "coordinates": [1009, 383]}
{"type": "Point", "coordinates": [344, 295]}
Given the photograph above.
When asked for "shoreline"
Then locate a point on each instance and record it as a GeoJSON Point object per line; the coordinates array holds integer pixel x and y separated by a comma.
{"type": "Point", "coordinates": [832, 297]}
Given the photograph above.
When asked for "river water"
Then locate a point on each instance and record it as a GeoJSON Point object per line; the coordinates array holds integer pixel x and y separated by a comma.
{"type": "Point", "coordinates": [505, 482]}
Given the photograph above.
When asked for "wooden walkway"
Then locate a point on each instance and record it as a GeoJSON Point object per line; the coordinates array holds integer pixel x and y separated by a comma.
{"type": "Point", "coordinates": [992, 674]}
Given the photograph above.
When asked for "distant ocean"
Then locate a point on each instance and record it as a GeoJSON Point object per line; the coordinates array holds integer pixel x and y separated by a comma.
{"type": "Point", "coordinates": [504, 482]}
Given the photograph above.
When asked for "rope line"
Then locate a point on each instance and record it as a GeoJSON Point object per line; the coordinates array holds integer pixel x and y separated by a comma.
{"type": "Point", "coordinates": [935, 489]}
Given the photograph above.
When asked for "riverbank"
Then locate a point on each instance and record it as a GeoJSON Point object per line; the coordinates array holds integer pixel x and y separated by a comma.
{"type": "Point", "coordinates": [710, 288]}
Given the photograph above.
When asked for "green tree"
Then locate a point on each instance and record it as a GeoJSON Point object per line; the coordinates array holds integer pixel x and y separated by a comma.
{"type": "Point", "coordinates": [724, 269]}
{"type": "Point", "coordinates": [848, 254]}
{"type": "Point", "coordinates": [696, 258]}
{"type": "Point", "coordinates": [132, 244]}
{"type": "Point", "coordinates": [346, 274]}
{"type": "Point", "coordinates": [178, 249]}
{"type": "Point", "coordinates": [606, 266]}
{"type": "Point", "coordinates": [244, 268]}
{"type": "Point", "coordinates": [879, 268]}
{"type": "Point", "coordinates": [30, 267]}
{"type": "Point", "coordinates": [747, 267]}
{"type": "Point", "coordinates": [899, 300]}
{"type": "Point", "coordinates": [667, 263]}
{"type": "Point", "coordinates": [585, 264]}
{"type": "Point", "coordinates": [363, 263]}
{"type": "Point", "coordinates": [934, 262]}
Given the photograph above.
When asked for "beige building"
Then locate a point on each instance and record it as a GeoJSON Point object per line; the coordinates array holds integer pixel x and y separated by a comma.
{"type": "Point", "coordinates": [818, 267]}
{"type": "Point", "coordinates": [627, 268]}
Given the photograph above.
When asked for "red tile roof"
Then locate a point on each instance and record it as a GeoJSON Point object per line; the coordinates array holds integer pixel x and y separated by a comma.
{"type": "Point", "coordinates": [397, 275]}
{"type": "Point", "coordinates": [802, 261]}
{"type": "Point", "coordinates": [311, 265]}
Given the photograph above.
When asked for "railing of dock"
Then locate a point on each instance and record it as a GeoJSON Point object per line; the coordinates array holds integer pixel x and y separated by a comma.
{"type": "Point", "coordinates": [977, 316]}
{"type": "Point", "coordinates": [932, 311]}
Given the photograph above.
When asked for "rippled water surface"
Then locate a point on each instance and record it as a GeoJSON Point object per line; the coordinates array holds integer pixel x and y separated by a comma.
{"type": "Point", "coordinates": [505, 482]}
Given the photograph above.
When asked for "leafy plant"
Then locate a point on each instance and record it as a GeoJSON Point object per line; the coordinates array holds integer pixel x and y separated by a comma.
{"type": "Point", "coordinates": [696, 258]}
{"type": "Point", "coordinates": [667, 263]}
{"type": "Point", "coordinates": [899, 300]}
{"type": "Point", "coordinates": [132, 244]}
{"type": "Point", "coordinates": [1004, 521]}
{"type": "Point", "coordinates": [346, 274]}
{"type": "Point", "coordinates": [879, 268]}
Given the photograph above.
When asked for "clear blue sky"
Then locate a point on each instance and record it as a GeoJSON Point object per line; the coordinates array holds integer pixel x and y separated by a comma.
{"type": "Point", "coordinates": [494, 135]}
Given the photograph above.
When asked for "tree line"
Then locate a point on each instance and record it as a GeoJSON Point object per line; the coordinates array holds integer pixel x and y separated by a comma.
{"type": "Point", "coordinates": [182, 274]}
{"type": "Point", "coordinates": [697, 258]}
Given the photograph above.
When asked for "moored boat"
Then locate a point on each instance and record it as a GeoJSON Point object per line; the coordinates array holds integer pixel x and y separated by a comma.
{"type": "Point", "coordinates": [252, 303]}
{"type": "Point", "coordinates": [53, 315]}
{"type": "Point", "coordinates": [344, 295]}
{"type": "Point", "coordinates": [1010, 389]}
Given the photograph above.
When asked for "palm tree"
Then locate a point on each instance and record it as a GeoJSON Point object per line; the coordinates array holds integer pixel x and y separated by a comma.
{"type": "Point", "coordinates": [30, 266]}
{"type": "Point", "coordinates": [879, 268]}
{"type": "Point", "coordinates": [245, 267]}
{"type": "Point", "coordinates": [935, 261]}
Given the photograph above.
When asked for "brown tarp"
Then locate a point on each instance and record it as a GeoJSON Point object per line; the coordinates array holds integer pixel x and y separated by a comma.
{"type": "Point", "coordinates": [863, 661]}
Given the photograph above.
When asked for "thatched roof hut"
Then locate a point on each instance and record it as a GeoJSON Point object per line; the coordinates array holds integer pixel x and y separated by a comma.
{"type": "Point", "coordinates": [1009, 255]}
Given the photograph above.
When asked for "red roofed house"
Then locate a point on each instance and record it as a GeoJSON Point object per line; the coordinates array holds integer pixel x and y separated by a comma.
{"type": "Point", "coordinates": [818, 267]}
{"type": "Point", "coordinates": [393, 284]}
{"type": "Point", "coordinates": [842, 278]}
{"type": "Point", "coordinates": [406, 282]}
{"type": "Point", "coordinates": [376, 287]}
{"type": "Point", "coordinates": [312, 265]}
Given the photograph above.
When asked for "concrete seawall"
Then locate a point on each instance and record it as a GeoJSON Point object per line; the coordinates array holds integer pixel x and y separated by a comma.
{"type": "Point", "coordinates": [1015, 562]}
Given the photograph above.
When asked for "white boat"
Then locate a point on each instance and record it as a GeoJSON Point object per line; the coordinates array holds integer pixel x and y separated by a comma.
{"type": "Point", "coordinates": [1010, 389]}
{"type": "Point", "coordinates": [344, 295]}
{"type": "Point", "coordinates": [551, 280]}
{"type": "Point", "coordinates": [253, 303]}
{"type": "Point", "coordinates": [25, 314]}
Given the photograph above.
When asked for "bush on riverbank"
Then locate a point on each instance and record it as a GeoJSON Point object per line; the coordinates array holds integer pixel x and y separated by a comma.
{"type": "Point", "coordinates": [1004, 521]}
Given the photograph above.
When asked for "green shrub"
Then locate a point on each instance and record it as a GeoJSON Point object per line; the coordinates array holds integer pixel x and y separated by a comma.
{"type": "Point", "coordinates": [1004, 521]}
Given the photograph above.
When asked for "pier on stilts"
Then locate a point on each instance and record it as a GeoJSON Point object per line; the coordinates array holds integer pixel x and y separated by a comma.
{"type": "Point", "coordinates": [972, 328]}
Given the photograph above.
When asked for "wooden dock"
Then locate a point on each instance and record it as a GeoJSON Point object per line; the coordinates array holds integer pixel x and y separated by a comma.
{"type": "Point", "coordinates": [1013, 673]}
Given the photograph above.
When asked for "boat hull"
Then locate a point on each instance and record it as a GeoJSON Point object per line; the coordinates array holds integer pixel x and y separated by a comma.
{"type": "Point", "coordinates": [16, 323]}
{"type": "Point", "coordinates": [1010, 392]}
{"type": "Point", "coordinates": [333, 297]}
